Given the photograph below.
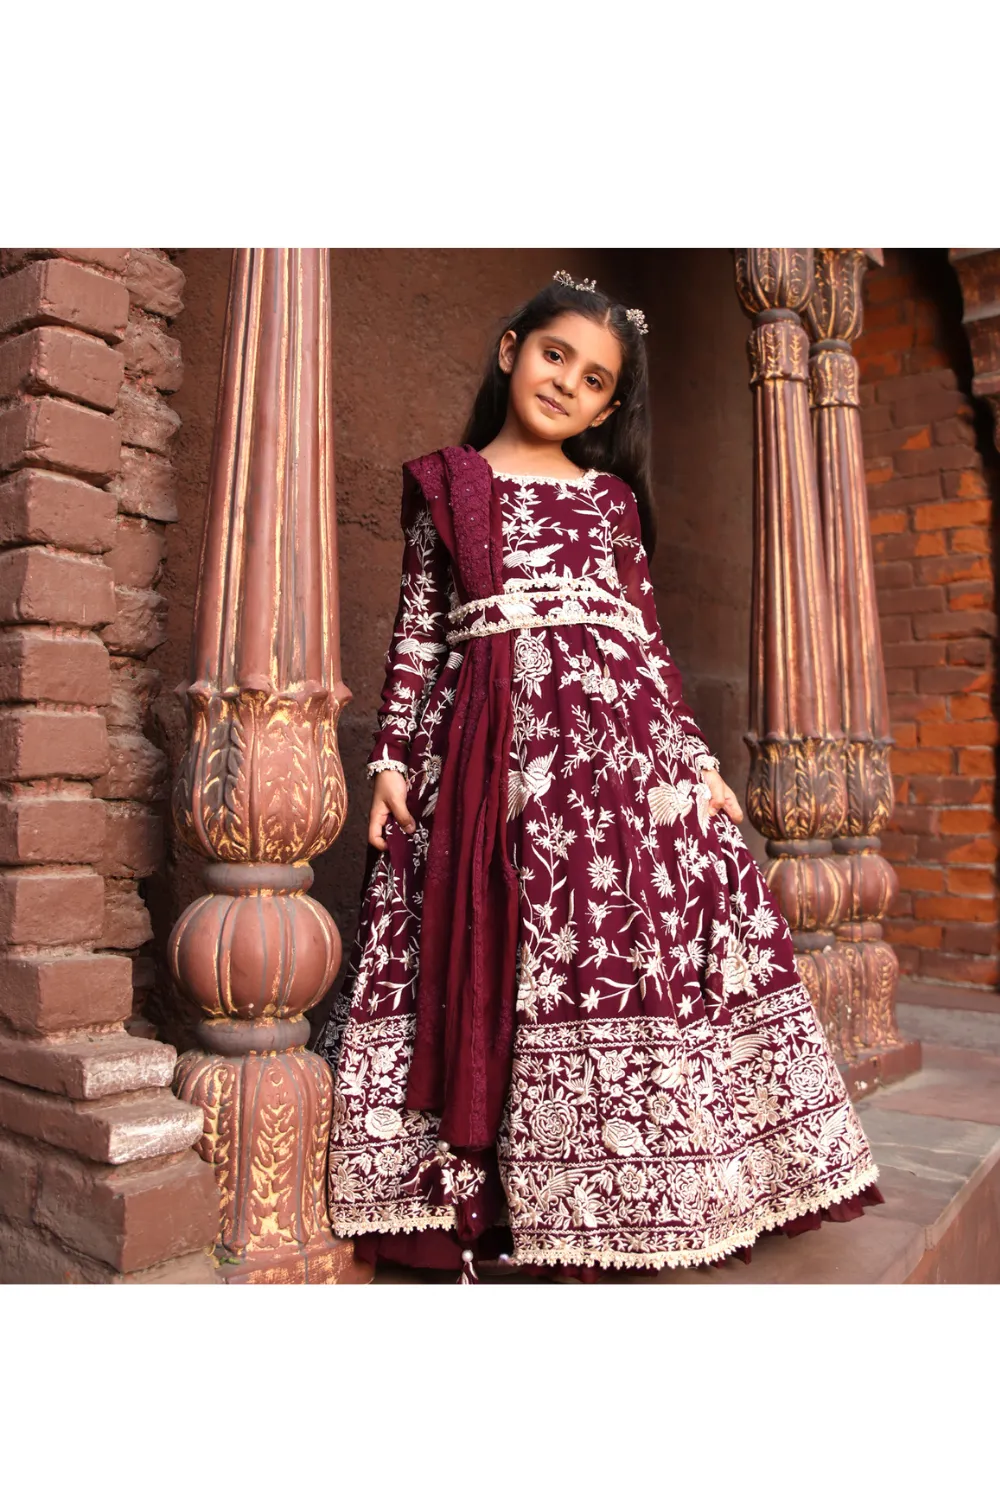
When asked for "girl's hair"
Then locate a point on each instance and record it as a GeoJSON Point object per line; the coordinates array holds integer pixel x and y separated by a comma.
{"type": "Point", "coordinates": [621, 444]}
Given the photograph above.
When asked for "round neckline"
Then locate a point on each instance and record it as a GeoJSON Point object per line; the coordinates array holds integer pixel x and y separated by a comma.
{"type": "Point", "coordinates": [543, 478]}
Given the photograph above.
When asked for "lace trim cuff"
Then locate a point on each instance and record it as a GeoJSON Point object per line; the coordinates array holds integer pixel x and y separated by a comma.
{"type": "Point", "coordinates": [385, 762]}
{"type": "Point", "coordinates": [706, 763]}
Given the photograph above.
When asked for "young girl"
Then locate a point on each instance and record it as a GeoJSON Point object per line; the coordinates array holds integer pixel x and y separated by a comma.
{"type": "Point", "coordinates": [572, 1035]}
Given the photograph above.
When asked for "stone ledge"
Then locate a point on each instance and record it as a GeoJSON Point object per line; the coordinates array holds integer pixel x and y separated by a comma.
{"type": "Point", "coordinates": [87, 1067]}
{"type": "Point", "coordinates": [115, 1130]}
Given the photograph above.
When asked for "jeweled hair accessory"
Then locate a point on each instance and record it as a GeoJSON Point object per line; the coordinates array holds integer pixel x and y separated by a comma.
{"type": "Point", "coordinates": [638, 317]}
{"type": "Point", "coordinates": [565, 279]}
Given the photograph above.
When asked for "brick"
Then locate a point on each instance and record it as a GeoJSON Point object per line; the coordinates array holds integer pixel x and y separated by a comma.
{"type": "Point", "coordinates": [897, 845]}
{"type": "Point", "coordinates": [138, 771]}
{"type": "Point", "coordinates": [876, 419]}
{"type": "Point", "coordinates": [933, 460]}
{"type": "Point", "coordinates": [925, 761]}
{"type": "Point", "coordinates": [154, 283]}
{"type": "Point", "coordinates": [122, 1129]}
{"type": "Point", "coordinates": [56, 434]}
{"type": "Point", "coordinates": [967, 820]}
{"type": "Point", "coordinates": [976, 762]}
{"type": "Point", "coordinates": [920, 878]}
{"type": "Point", "coordinates": [915, 935]}
{"type": "Point", "coordinates": [904, 734]}
{"type": "Point", "coordinates": [952, 569]}
{"type": "Point", "coordinates": [904, 546]}
{"type": "Point", "coordinates": [970, 706]}
{"type": "Point", "coordinates": [971, 539]}
{"type": "Point", "coordinates": [878, 366]}
{"type": "Point", "coordinates": [132, 1218]}
{"type": "Point", "coordinates": [981, 851]}
{"type": "Point", "coordinates": [88, 1067]}
{"type": "Point", "coordinates": [39, 586]}
{"type": "Point", "coordinates": [981, 971]}
{"type": "Point", "coordinates": [894, 575]}
{"type": "Point", "coordinates": [975, 652]}
{"type": "Point", "coordinates": [140, 622]}
{"type": "Point", "coordinates": [55, 291]}
{"type": "Point", "coordinates": [965, 484]}
{"type": "Point", "coordinates": [50, 907]}
{"type": "Point", "coordinates": [895, 628]}
{"type": "Point", "coordinates": [153, 355]}
{"type": "Point", "coordinates": [907, 491]}
{"type": "Point", "coordinates": [36, 742]}
{"type": "Point", "coordinates": [884, 444]}
{"type": "Point", "coordinates": [971, 594]}
{"type": "Point", "coordinates": [905, 387]}
{"type": "Point", "coordinates": [881, 524]}
{"type": "Point", "coordinates": [44, 664]}
{"type": "Point", "coordinates": [915, 654]}
{"type": "Point", "coordinates": [935, 405]}
{"type": "Point", "coordinates": [932, 627]}
{"type": "Point", "coordinates": [970, 937]}
{"type": "Point", "coordinates": [57, 829]}
{"type": "Point", "coordinates": [146, 420]}
{"type": "Point", "coordinates": [60, 362]}
{"type": "Point", "coordinates": [950, 679]}
{"type": "Point", "coordinates": [953, 430]}
{"type": "Point", "coordinates": [126, 919]}
{"type": "Point", "coordinates": [878, 471]}
{"type": "Point", "coordinates": [114, 260]}
{"type": "Point", "coordinates": [137, 555]}
{"type": "Point", "coordinates": [61, 992]}
{"type": "Point", "coordinates": [146, 486]}
{"type": "Point", "coordinates": [900, 679]}
{"type": "Point", "coordinates": [881, 286]}
{"type": "Point", "coordinates": [134, 687]}
{"type": "Point", "coordinates": [942, 790]}
{"type": "Point", "coordinates": [916, 707]}
{"type": "Point", "coordinates": [912, 819]}
{"type": "Point", "coordinates": [970, 732]}
{"type": "Point", "coordinates": [957, 908]}
{"type": "Point", "coordinates": [963, 882]}
{"type": "Point", "coordinates": [923, 359]}
{"type": "Point", "coordinates": [951, 513]}
{"type": "Point", "coordinates": [133, 843]}
{"type": "Point", "coordinates": [37, 505]}
{"type": "Point", "coordinates": [18, 1178]}
{"type": "Point", "coordinates": [910, 601]}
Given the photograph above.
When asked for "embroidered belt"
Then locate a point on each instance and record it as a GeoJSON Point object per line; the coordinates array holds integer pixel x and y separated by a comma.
{"type": "Point", "coordinates": [524, 606]}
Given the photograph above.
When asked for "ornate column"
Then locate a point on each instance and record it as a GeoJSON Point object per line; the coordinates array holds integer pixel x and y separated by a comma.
{"type": "Point", "coordinates": [261, 789]}
{"type": "Point", "coordinates": [796, 793]}
{"type": "Point", "coordinates": [871, 1044]}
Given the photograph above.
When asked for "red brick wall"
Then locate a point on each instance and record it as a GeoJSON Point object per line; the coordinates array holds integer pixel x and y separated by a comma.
{"type": "Point", "coordinates": [932, 477]}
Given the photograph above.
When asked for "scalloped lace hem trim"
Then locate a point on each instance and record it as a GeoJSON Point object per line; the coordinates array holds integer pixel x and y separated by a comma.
{"type": "Point", "coordinates": [392, 1221]}
{"type": "Point", "coordinates": [659, 1260]}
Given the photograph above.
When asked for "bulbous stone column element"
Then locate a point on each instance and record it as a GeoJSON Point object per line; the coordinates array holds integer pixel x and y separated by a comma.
{"type": "Point", "coordinates": [796, 793]}
{"type": "Point", "coordinates": [872, 1046]}
{"type": "Point", "coordinates": [261, 788]}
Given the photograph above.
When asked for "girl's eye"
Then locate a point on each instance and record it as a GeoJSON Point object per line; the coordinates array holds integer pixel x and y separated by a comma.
{"type": "Point", "coordinates": [596, 382]}
{"type": "Point", "coordinates": [554, 352]}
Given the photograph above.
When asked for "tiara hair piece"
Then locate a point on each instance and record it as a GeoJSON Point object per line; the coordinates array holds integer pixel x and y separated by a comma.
{"type": "Point", "coordinates": [565, 279]}
{"type": "Point", "coordinates": [638, 317]}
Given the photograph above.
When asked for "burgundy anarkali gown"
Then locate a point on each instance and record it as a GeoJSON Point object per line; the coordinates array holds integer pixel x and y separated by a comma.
{"type": "Point", "coordinates": [668, 1093]}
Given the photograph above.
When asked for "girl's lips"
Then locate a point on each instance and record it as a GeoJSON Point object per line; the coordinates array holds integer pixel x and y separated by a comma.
{"type": "Point", "coordinates": [553, 404]}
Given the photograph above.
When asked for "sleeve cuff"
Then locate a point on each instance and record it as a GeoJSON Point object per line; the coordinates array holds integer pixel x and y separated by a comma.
{"type": "Point", "coordinates": [385, 762]}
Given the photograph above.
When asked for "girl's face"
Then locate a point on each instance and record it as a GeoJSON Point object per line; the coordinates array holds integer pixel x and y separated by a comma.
{"type": "Point", "coordinates": [563, 377]}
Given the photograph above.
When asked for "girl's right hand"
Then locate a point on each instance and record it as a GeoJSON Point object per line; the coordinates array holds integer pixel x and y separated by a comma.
{"type": "Point", "coordinates": [389, 796]}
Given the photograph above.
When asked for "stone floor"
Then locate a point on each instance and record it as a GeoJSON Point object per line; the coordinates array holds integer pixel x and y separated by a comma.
{"type": "Point", "coordinates": [936, 1137]}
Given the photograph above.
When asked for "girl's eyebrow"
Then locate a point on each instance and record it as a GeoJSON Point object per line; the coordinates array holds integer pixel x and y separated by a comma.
{"type": "Point", "coordinates": [554, 339]}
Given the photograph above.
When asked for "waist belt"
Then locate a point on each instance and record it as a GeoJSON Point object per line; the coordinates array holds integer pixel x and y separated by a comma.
{"type": "Point", "coordinates": [524, 606]}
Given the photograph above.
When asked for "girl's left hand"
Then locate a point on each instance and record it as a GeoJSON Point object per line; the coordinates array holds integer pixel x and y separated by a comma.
{"type": "Point", "coordinates": [723, 797]}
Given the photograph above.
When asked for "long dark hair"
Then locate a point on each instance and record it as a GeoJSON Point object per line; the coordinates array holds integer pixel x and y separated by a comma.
{"type": "Point", "coordinates": [621, 445]}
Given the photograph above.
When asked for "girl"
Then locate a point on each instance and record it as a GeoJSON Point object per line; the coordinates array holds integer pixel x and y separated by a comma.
{"type": "Point", "coordinates": [571, 1035]}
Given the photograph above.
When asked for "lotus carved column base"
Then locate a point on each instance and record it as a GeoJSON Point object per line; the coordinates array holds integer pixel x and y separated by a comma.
{"type": "Point", "coordinates": [255, 953]}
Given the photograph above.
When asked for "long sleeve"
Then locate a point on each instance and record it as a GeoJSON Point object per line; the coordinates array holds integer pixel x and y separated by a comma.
{"type": "Point", "coordinates": [417, 648]}
{"type": "Point", "coordinates": [633, 573]}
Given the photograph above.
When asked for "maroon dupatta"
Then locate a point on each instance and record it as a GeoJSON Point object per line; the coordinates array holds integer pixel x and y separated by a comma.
{"type": "Point", "coordinates": [468, 931]}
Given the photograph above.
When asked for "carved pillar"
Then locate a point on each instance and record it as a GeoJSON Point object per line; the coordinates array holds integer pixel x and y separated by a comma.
{"type": "Point", "coordinates": [261, 789]}
{"type": "Point", "coordinates": [796, 794]}
{"type": "Point", "coordinates": [978, 273]}
{"type": "Point", "coordinates": [871, 1044]}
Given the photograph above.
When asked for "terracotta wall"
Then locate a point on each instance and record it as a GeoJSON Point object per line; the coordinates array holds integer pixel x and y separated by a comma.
{"type": "Point", "coordinates": [933, 482]}
{"type": "Point", "coordinates": [411, 330]}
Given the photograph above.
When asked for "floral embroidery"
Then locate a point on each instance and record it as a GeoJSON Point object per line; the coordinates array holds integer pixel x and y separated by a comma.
{"type": "Point", "coordinates": [672, 1093]}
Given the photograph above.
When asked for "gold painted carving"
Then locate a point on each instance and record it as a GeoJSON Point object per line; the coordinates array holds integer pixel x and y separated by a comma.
{"type": "Point", "coordinates": [796, 788]}
{"type": "Point", "coordinates": [778, 351]}
{"type": "Point", "coordinates": [834, 379]}
{"type": "Point", "coordinates": [767, 279]}
{"type": "Point", "coordinates": [834, 310]}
